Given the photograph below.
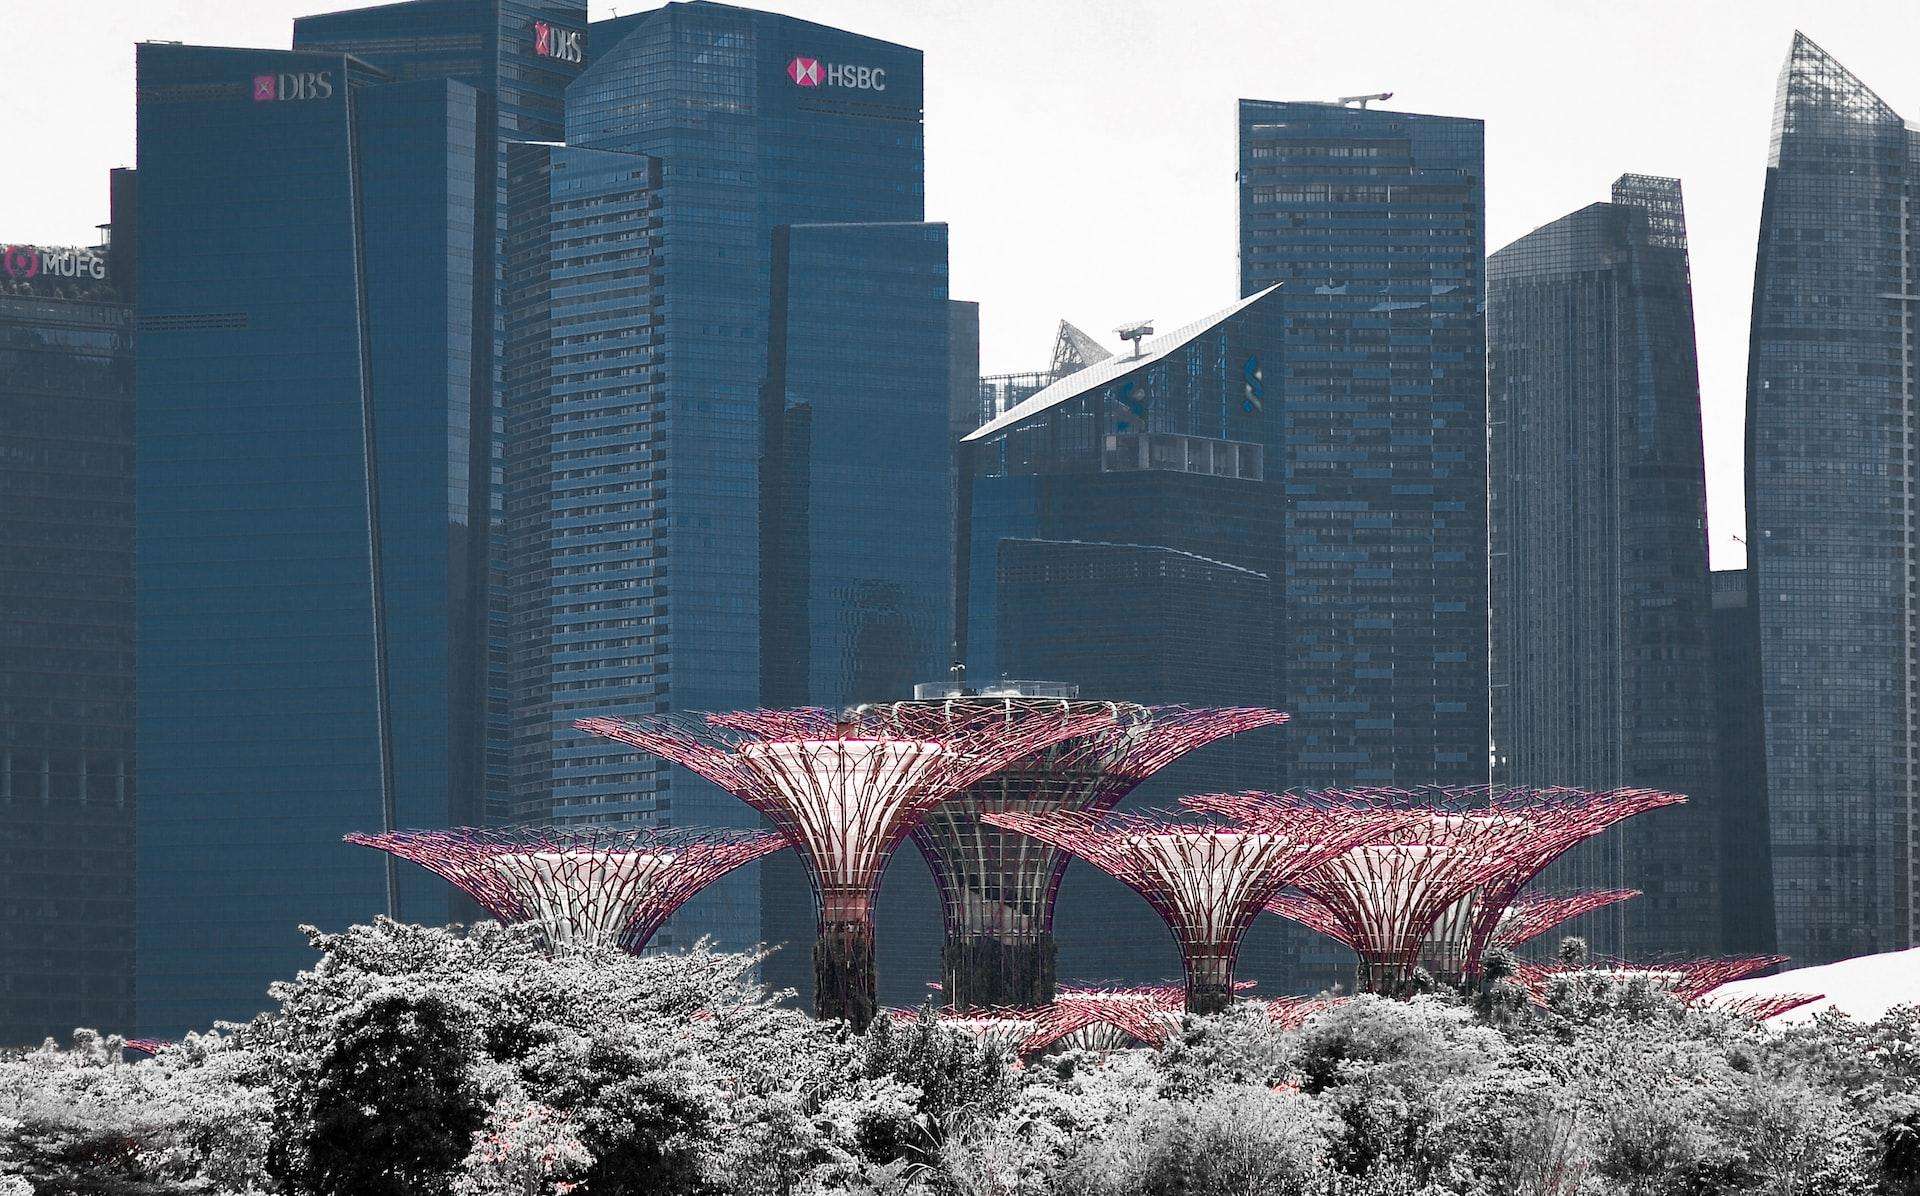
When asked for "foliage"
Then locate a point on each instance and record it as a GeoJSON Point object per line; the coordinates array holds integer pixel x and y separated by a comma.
{"type": "Point", "coordinates": [469, 1063]}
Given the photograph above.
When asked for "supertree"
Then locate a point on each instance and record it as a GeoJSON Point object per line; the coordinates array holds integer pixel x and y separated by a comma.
{"type": "Point", "coordinates": [1433, 885]}
{"type": "Point", "coordinates": [584, 886]}
{"type": "Point", "coordinates": [1207, 881]}
{"type": "Point", "coordinates": [845, 789]}
{"type": "Point", "coordinates": [1527, 918]}
{"type": "Point", "coordinates": [146, 1046]}
{"type": "Point", "coordinates": [1685, 980]}
{"type": "Point", "coordinates": [997, 887]}
{"type": "Point", "coordinates": [1761, 1007]}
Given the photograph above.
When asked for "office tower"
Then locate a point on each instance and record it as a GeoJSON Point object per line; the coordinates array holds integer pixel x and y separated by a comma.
{"type": "Point", "coordinates": [759, 121]}
{"type": "Point", "coordinates": [1602, 651]}
{"type": "Point", "coordinates": [581, 406]}
{"type": "Point", "coordinates": [518, 56]}
{"type": "Point", "coordinates": [66, 673]}
{"type": "Point", "coordinates": [309, 632]}
{"type": "Point", "coordinates": [963, 367]}
{"type": "Point", "coordinates": [1833, 568]}
{"type": "Point", "coordinates": [1119, 535]}
{"type": "Point", "coordinates": [1746, 843]}
{"type": "Point", "coordinates": [1373, 221]}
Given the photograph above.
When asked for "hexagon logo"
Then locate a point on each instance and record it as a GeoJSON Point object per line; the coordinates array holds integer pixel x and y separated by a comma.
{"type": "Point", "coordinates": [805, 72]}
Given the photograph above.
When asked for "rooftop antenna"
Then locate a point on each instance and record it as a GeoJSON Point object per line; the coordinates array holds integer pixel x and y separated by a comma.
{"type": "Point", "coordinates": [1134, 333]}
{"type": "Point", "coordinates": [1364, 100]}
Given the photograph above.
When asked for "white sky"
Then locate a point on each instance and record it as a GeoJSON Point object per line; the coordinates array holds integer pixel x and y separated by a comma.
{"type": "Point", "coordinates": [1083, 151]}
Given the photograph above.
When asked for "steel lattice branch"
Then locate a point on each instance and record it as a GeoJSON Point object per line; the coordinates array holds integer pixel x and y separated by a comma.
{"type": "Point", "coordinates": [1685, 980]}
{"type": "Point", "coordinates": [1761, 1007]}
{"type": "Point", "coordinates": [584, 886]}
{"type": "Point", "coordinates": [1531, 915]}
{"type": "Point", "coordinates": [1206, 881]}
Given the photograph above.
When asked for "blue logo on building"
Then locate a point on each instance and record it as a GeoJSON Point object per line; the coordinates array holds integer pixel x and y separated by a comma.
{"type": "Point", "coordinates": [1254, 391]}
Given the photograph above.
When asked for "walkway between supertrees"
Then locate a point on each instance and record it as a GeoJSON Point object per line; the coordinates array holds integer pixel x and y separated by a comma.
{"type": "Point", "coordinates": [584, 886]}
{"type": "Point", "coordinates": [997, 887]}
{"type": "Point", "coordinates": [845, 789]}
{"type": "Point", "coordinates": [1433, 887]}
{"type": "Point", "coordinates": [1207, 881]}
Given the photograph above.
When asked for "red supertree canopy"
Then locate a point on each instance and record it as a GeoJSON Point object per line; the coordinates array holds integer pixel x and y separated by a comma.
{"type": "Point", "coordinates": [1685, 980]}
{"type": "Point", "coordinates": [1442, 871]}
{"type": "Point", "coordinates": [1007, 1027]}
{"type": "Point", "coordinates": [999, 887]}
{"type": "Point", "coordinates": [845, 789]}
{"type": "Point", "coordinates": [586, 886]}
{"type": "Point", "coordinates": [146, 1046]}
{"type": "Point", "coordinates": [1761, 1007]}
{"type": "Point", "coordinates": [1207, 881]}
{"type": "Point", "coordinates": [1001, 883]}
{"type": "Point", "coordinates": [1533, 914]}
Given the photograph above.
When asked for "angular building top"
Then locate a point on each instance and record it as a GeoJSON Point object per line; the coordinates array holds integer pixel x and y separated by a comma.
{"type": "Point", "coordinates": [1832, 548]}
{"type": "Point", "coordinates": [1124, 373]}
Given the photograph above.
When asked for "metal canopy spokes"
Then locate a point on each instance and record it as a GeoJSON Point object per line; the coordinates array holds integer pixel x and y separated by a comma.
{"type": "Point", "coordinates": [584, 886]}
{"type": "Point", "coordinates": [1443, 871]}
{"type": "Point", "coordinates": [1207, 881]}
{"type": "Point", "coordinates": [845, 788]}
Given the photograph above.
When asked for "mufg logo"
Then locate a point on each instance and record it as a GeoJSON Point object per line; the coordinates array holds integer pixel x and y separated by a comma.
{"type": "Point", "coordinates": [811, 72]}
{"type": "Point", "coordinates": [32, 261]}
{"type": "Point", "coordinates": [551, 41]}
{"type": "Point", "coordinates": [300, 85]}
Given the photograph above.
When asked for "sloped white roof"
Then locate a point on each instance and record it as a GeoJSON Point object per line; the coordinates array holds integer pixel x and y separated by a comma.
{"type": "Point", "coordinates": [1864, 987]}
{"type": "Point", "coordinates": [1095, 376]}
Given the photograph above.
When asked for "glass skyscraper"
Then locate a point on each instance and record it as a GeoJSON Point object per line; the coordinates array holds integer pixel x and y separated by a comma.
{"type": "Point", "coordinates": [1833, 548]}
{"type": "Point", "coordinates": [66, 639]}
{"type": "Point", "coordinates": [582, 406]}
{"type": "Point", "coordinates": [518, 56]}
{"type": "Point", "coordinates": [1373, 222]}
{"type": "Point", "coordinates": [310, 629]}
{"type": "Point", "coordinates": [1746, 844]}
{"type": "Point", "coordinates": [758, 121]}
{"type": "Point", "coordinates": [1120, 535]}
{"type": "Point", "coordinates": [1602, 650]}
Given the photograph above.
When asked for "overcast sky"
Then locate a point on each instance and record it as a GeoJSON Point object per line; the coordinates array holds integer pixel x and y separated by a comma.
{"type": "Point", "coordinates": [1083, 150]}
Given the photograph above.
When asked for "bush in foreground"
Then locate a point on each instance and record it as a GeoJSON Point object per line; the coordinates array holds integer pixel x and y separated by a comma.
{"type": "Point", "coordinates": [438, 1062]}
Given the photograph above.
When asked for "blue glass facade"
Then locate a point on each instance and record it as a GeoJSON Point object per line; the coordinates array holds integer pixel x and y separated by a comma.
{"type": "Point", "coordinates": [758, 121]}
{"type": "Point", "coordinates": [1374, 222]}
{"type": "Point", "coordinates": [518, 56]}
{"type": "Point", "coordinates": [66, 640]}
{"type": "Point", "coordinates": [857, 544]}
{"type": "Point", "coordinates": [1746, 844]}
{"type": "Point", "coordinates": [309, 623]}
{"type": "Point", "coordinates": [1602, 645]}
{"type": "Point", "coordinates": [1833, 554]}
{"type": "Point", "coordinates": [582, 404]}
{"type": "Point", "coordinates": [1120, 536]}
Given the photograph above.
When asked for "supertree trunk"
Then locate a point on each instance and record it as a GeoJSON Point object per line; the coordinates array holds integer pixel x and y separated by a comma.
{"type": "Point", "coordinates": [843, 973]}
{"type": "Point", "coordinates": [1209, 984]}
{"type": "Point", "coordinates": [984, 972]}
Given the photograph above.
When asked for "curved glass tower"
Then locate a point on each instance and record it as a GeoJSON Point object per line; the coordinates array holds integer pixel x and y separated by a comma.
{"type": "Point", "coordinates": [1830, 509]}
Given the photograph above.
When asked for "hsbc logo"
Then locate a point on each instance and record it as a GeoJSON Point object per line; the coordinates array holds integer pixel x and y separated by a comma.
{"type": "Point", "coordinates": [25, 262]}
{"type": "Point", "coordinates": [301, 85]}
{"type": "Point", "coordinates": [811, 72]}
{"type": "Point", "coordinates": [551, 41]}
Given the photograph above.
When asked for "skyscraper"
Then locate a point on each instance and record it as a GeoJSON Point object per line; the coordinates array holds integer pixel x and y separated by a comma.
{"type": "Point", "coordinates": [759, 121]}
{"type": "Point", "coordinates": [1602, 652]}
{"type": "Point", "coordinates": [1119, 535]}
{"type": "Point", "coordinates": [1373, 221]}
{"type": "Point", "coordinates": [518, 56]}
{"type": "Point", "coordinates": [66, 667]}
{"type": "Point", "coordinates": [309, 630]}
{"type": "Point", "coordinates": [1746, 844]}
{"type": "Point", "coordinates": [582, 406]}
{"type": "Point", "coordinates": [1833, 550]}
